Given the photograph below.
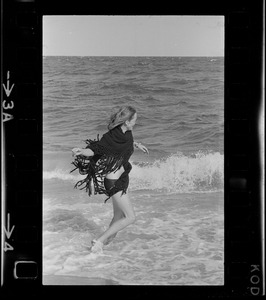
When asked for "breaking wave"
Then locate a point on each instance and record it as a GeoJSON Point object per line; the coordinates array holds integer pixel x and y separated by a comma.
{"type": "Point", "coordinates": [179, 173]}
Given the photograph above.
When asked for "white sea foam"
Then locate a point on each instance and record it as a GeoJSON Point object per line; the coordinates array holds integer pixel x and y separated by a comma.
{"type": "Point", "coordinates": [61, 175]}
{"type": "Point", "coordinates": [180, 173]}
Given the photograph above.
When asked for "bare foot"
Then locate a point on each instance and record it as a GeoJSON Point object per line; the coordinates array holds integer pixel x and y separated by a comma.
{"type": "Point", "coordinates": [97, 246]}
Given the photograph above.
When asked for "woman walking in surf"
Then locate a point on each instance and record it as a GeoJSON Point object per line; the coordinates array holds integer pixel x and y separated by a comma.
{"type": "Point", "coordinates": [106, 164]}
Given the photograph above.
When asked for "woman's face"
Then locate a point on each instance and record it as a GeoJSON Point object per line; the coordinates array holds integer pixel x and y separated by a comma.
{"type": "Point", "coordinates": [130, 124]}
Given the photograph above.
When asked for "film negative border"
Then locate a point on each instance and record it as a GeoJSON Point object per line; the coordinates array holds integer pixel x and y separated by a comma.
{"type": "Point", "coordinates": [21, 146]}
{"type": "Point", "coordinates": [21, 61]}
{"type": "Point", "coordinates": [243, 203]}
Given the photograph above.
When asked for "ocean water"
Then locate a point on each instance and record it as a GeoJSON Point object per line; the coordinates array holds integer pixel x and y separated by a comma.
{"type": "Point", "coordinates": [176, 190]}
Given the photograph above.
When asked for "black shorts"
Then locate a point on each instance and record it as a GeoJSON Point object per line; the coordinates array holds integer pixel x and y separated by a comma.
{"type": "Point", "coordinates": [109, 183]}
{"type": "Point", "coordinates": [113, 186]}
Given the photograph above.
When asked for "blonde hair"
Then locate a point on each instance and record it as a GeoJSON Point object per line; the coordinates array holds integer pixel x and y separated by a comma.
{"type": "Point", "coordinates": [123, 114]}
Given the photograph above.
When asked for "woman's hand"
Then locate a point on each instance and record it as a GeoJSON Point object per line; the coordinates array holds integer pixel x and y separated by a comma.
{"type": "Point", "coordinates": [142, 147]}
{"type": "Point", "coordinates": [85, 152]}
{"type": "Point", "coordinates": [77, 151]}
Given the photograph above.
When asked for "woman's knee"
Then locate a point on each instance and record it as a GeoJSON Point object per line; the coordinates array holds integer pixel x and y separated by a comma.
{"type": "Point", "coordinates": [131, 219]}
{"type": "Point", "coordinates": [123, 204]}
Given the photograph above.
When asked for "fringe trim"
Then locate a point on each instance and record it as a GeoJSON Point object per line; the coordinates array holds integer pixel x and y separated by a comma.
{"type": "Point", "coordinates": [98, 166]}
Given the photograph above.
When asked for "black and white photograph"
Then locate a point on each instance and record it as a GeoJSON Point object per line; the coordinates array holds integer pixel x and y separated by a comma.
{"type": "Point", "coordinates": [133, 150]}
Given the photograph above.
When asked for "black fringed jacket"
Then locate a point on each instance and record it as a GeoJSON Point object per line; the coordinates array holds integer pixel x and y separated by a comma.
{"type": "Point", "coordinates": [111, 152]}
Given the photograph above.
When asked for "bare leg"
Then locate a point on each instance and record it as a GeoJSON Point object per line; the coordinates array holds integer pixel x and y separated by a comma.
{"type": "Point", "coordinates": [121, 220]}
{"type": "Point", "coordinates": [118, 214]}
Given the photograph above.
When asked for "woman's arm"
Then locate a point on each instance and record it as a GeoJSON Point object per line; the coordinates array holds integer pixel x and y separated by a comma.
{"type": "Point", "coordinates": [141, 147]}
{"type": "Point", "coordinates": [85, 152]}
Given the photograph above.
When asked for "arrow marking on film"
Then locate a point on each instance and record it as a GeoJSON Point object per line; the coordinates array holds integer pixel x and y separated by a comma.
{"type": "Point", "coordinates": [6, 88]}
{"type": "Point", "coordinates": [8, 232]}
